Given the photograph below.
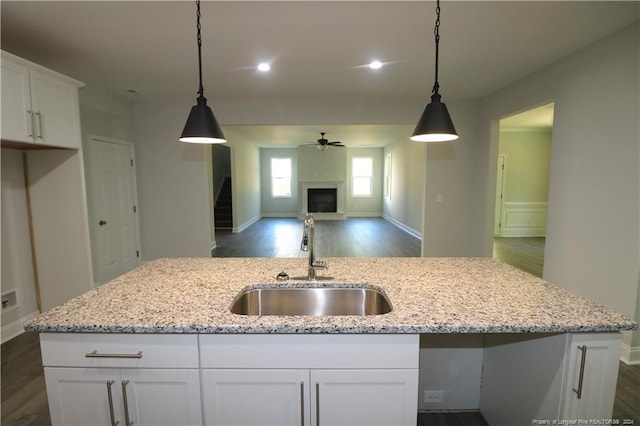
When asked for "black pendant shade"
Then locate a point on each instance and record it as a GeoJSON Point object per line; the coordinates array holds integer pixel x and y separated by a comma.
{"type": "Point", "coordinates": [202, 126]}
{"type": "Point", "coordinates": [435, 125]}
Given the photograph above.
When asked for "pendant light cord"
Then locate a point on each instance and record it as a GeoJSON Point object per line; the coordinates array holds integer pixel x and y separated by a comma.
{"type": "Point", "coordinates": [436, 33]}
{"type": "Point", "coordinates": [200, 87]}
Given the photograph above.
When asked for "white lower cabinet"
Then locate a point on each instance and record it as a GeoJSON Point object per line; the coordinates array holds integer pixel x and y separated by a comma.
{"type": "Point", "coordinates": [122, 379]}
{"type": "Point", "coordinates": [592, 373]}
{"type": "Point", "coordinates": [110, 396]}
{"type": "Point", "coordinates": [337, 380]}
{"type": "Point", "coordinates": [309, 397]}
{"type": "Point", "coordinates": [363, 397]}
{"type": "Point", "coordinates": [549, 377]}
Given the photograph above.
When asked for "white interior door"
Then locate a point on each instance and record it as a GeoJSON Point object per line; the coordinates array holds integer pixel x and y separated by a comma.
{"type": "Point", "coordinates": [113, 209]}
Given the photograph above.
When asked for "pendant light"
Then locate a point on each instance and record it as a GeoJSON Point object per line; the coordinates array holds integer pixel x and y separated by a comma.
{"type": "Point", "coordinates": [435, 125]}
{"type": "Point", "coordinates": [201, 126]}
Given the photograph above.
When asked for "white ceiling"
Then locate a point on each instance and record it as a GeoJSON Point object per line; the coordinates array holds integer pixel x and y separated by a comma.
{"type": "Point", "coordinates": [317, 49]}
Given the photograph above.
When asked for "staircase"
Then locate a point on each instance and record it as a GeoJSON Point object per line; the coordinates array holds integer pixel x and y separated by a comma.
{"type": "Point", "coordinates": [222, 209]}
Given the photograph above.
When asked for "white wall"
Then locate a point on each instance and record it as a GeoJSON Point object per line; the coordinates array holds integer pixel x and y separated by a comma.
{"type": "Point", "coordinates": [173, 184]}
{"type": "Point", "coordinates": [245, 184]}
{"type": "Point", "coordinates": [17, 267]}
{"type": "Point", "coordinates": [406, 202]}
{"type": "Point", "coordinates": [592, 245]}
{"type": "Point", "coordinates": [453, 220]}
{"type": "Point", "coordinates": [278, 207]}
{"type": "Point", "coordinates": [527, 172]}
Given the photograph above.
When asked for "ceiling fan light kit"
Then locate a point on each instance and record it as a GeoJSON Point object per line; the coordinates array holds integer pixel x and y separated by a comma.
{"type": "Point", "coordinates": [201, 125]}
{"type": "Point", "coordinates": [435, 124]}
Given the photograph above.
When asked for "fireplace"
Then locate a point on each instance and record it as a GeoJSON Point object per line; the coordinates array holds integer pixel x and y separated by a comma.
{"type": "Point", "coordinates": [322, 200]}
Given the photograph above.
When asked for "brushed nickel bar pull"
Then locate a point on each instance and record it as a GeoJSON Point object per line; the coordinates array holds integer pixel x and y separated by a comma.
{"type": "Point", "coordinates": [30, 123]}
{"type": "Point", "coordinates": [301, 403]}
{"type": "Point", "coordinates": [110, 395]}
{"type": "Point", "coordinates": [582, 363]}
{"type": "Point", "coordinates": [95, 354]}
{"type": "Point", "coordinates": [127, 422]}
{"type": "Point", "coordinates": [317, 403]}
{"type": "Point", "coordinates": [40, 131]}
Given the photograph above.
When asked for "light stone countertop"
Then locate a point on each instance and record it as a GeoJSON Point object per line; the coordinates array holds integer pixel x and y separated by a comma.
{"type": "Point", "coordinates": [428, 295]}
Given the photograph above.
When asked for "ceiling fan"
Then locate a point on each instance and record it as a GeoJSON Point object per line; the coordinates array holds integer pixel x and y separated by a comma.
{"type": "Point", "coordinates": [324, 143]}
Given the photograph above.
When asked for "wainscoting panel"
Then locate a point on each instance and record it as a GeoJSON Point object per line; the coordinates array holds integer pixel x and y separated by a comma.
{"type": "Point", "coordinates": [523, 219]}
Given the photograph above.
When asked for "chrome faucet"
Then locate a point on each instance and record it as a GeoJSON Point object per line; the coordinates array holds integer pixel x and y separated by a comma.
{"type": "Point", "coordinates": [307, 245]}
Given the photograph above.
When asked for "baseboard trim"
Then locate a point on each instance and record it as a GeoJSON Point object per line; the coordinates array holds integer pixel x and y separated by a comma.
{"type": "Point", "coordinates": [630, 355]}
{"type": "Point", "coordinates": [15, 328]}
{"type": "Point", "coordinates": [404, 227]}
{"type": "Point", "coordinates": [245, 225]}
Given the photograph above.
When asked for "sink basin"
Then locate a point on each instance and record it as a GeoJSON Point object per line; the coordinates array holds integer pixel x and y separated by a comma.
{"type": "Point", "coordinates": [311, 301]}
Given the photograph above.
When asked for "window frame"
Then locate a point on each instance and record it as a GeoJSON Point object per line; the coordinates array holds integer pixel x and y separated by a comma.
{"type": "Point", "coordinates": [274, 177]}
{"type": "Point", "coordinates": [354, 177]}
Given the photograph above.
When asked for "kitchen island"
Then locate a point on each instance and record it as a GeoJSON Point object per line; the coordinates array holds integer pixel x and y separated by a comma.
{"type": "Point", "coordinates": [171, 317]}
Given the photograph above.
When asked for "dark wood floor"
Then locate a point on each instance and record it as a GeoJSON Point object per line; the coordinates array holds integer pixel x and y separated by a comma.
{"type": "Point", "coordinates": [24, 400]}
{"type": "Point", "coordinates": [523, 253]}
{"type": "Point", "coordinates": [357, 237]}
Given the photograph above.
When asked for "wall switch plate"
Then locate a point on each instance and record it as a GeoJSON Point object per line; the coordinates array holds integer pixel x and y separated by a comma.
{"type": "Point", "coordinates": [433, 397]}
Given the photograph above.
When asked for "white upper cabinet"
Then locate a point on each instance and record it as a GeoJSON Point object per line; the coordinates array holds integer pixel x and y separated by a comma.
{"type": "Point", "coordinates": [39, 105]}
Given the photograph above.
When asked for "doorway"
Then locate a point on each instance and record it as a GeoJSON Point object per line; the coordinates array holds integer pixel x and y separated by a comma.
{"type": "Point", "coordinates": [524, 154]}
{"type": "Point", "coordinates": [113, 208]}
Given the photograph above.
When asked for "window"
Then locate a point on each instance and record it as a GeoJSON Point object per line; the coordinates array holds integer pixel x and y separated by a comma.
{"type": "Point", "coordinates": [362, 176]}
{"type": "Point", "coordinates": [281, 177]}
{"type": "Point", "coordinates": [387, 177]}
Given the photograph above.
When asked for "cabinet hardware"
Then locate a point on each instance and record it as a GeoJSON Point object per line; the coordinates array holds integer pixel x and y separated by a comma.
{"type": "Point", "coordinates": [95, 354]}
{"type": "Point", "coordinates": [581, 378]}
{"type": "Point", "coordinates": [40, 130]}
{"type": "Point", "coordinates": [302, 403]}
{"type": "Point", "coordinates": [30, 123]}
{"type": "Point", "coordinates": [113, 420]}
{"type": "Point", "coordinates": [317, 403]}
{"type": "Point", "coordinates": [102, 222]}
{"type": "Point", "coordinates": [127, 422]}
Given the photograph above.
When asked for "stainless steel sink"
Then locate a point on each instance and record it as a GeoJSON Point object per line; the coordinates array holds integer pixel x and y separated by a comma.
{"type": "Point", "coordinates": [313, 301]}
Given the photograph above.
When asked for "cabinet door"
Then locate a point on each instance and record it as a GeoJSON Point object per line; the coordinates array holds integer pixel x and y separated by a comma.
{"type": "Point", "coordinates": [155, 397]}
{"type": "Point", "coordinates": [256, 397]}
{"type": "Point", "coordinates": [56, 111]}
{"type": "Point", "coordinates": [17, 124]}
{"type": "Point", "coordinates": [364, 397]}
{"type": "Point", "coordinates": [80, 397]}
{"type": "Point", "coordinates": [594, 361]}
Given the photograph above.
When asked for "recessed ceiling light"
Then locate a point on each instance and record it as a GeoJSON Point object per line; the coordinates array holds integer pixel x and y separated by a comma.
{"type": "Point", "coordinates": [375, 65]}
{"type": "Point", "coordinates": [264, 67]}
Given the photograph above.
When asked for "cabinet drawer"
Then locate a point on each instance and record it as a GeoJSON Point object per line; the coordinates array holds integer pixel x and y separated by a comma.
{"type": "Point", "coordinates": [119, 350]}
{"type": "Point", "coordinates": [309, 351]}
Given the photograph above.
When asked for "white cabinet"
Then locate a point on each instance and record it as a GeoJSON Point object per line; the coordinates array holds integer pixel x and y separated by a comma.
{"type": "Point", "coordinates": [310, 379]}
{"type": "Point", "coordinates": [100, 379]}
{"type": "Point", "coordinates": [105, 396]}
{"type": "Point", "coordinates": [364, 397]}
{"type": "Point", "coordinates": [533, 377]}
{"type": "Point", "coordinates": [277, 397]}
{"type": "Point", "coordinates": [39, 105]}
{"type": "Point", "coordinates": [281, 397]}
{"type": "Point", "coordinates": [592, 373]}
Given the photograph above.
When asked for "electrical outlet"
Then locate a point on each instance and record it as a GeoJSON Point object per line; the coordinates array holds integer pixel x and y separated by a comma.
{"type": "Point", "coordinates": [434, 397]}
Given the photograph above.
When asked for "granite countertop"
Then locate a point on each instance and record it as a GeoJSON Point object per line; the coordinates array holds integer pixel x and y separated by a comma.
{"type": "Point", "coordinates": [429, 295]}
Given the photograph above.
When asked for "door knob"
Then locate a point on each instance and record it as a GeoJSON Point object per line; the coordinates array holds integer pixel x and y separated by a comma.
{"type": "Point", "coordinates": [102, 222]}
